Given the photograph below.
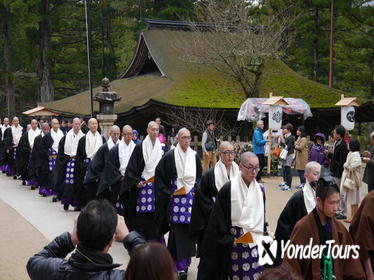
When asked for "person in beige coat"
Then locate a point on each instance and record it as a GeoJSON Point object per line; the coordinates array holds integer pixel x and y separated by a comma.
{"type": "Point", "coordinates": [352, 173]}
{"type": "Point", "coordinates": [301, 155]}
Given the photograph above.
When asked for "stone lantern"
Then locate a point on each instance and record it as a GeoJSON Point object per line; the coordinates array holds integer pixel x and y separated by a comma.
{"type": "Point", "coordinates": [106, 99]}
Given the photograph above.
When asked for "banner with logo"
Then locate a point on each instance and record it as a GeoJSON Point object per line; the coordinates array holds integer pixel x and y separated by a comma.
{"type": "Point", "coordinates": [275, 117]}
{"type": "Point", "coordinates": [348, 117]}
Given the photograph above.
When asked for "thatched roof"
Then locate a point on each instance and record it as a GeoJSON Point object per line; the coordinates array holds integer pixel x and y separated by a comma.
{"type": "Point", "coordinates": [159, 72]}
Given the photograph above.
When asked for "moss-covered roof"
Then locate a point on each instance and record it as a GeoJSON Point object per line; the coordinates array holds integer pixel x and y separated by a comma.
{"type": "Point", "coordinates": [186, 84]}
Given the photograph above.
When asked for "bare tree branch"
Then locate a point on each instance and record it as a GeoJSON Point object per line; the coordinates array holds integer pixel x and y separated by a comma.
{"type": "Point", "coordinates": [236, 40]}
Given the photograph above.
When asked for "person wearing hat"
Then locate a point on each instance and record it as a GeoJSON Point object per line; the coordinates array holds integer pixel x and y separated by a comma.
{"type": "Point", "coordinates": [317, 151]}
{"type": "Point", "coordinates": [209, 146]}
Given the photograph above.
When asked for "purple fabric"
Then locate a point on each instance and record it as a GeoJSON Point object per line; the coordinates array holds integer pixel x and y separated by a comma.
{"type": "Point", "coordinates": [180, 206]}
{"type": "Point", "coordinates": [145, 202]}
{"type": "Point", "coordinates": [69, 174]}
{"type": "Point", "coordinates": [9, 170]}
{"type": "Point", "coordinates": [182, 265]}
{"type": "Point", "coordinates": [52, 161]}
{"type": "Point", "coordinates": [45, 191]}
{"type": "Point", "coordinates": [32, 183]}
{"type": "Point", "coordinates": [243, 263]}
{"type": "Point", "coordinates": [317, 153]}
{"type": "Point", "coordinates": [70, 201]}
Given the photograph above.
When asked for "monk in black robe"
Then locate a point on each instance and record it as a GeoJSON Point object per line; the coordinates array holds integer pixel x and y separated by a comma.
{"type": "Point", "coordinates": [88, 145]}
{"type": "Point", "coordinates": [43, 144]}
{"type": "Point", "coordinates": [362, 230]}
{"type": "Point", "coordinates": [63, 177]}
{"type": "Point", "coordinates": [177, 176]}
{"type": "Point", "coordinates": [211, 182]}
{"type": "Point", "coordinates": [137, 193]}
{"type": "Point", "coordinates": [12, 136]}
{"type": "Point", "coordinates": [3, 154]}
{"type": "Point", "coordinates": [300, 204]}
{"type": "Point", "coordinates": [115, 168]}
{"type": "Point", "coordinates": [237, 220]}
{"type": "Point", "coordinates": [320, 228]}
{"type": "Point", "coordinates": [24, 154]}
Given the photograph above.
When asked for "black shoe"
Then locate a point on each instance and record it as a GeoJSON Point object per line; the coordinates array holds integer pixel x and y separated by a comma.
{"type": "Point", "coordinates": [33, 188]}
{"type": "Point", "coordinates": [66, 207]}
{"type": "Point", "coordinates": [15, 177]}
{"type": "Point", "coordinates": [182, 275]}
{"type": "Point", "coordinates": [54, 199]}
{"type": "Point", "coordinates": [340, 216]}
{"type": "Point", "coordinates": [77, 209]}
{"type": "Point", "coordinates": [23, 183]}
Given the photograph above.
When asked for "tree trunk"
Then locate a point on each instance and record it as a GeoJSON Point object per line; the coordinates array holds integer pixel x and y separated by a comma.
{"type": "Point", "coordinates": [372, 77]}
{"type": "Point", "coordinates": [44, 72]}
{"type": "Point", "coordinates": [316, 47]}
{"type": "Point", "coordinates": [9, 82]}
{"type": "Point", "coordinates": [112, 52]}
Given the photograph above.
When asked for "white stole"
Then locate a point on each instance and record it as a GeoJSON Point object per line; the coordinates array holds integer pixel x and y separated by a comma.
{"type": "Point", "coordinates": [31, 134]}
{"type": "Point", "coordinates": [185, 163]}
{"type": "Point", "coordinates": [220, 173]}
{"type": "Point", "coordinates": [124, 154]}
{"type": "Point", "coordinates": [247, 206]}
{"type": "Point", "coordinates": [16, 133]}
{"type": "Point", "coordinates": [71, 142]}
{"type": "Point", "coordinates": [309, 197]}
{"type": "Point", "coordinates": [93, 143]}
{"type": "Point", "coordinates": [56, 136]}
{"type": "Point", "coordinates": [111, 144]}
{"type": "Point", "coordinates": [151, 155]}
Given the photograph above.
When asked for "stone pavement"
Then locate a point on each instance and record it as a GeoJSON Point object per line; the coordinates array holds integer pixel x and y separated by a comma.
{"type": "Point", "coordinates": [29, 221]}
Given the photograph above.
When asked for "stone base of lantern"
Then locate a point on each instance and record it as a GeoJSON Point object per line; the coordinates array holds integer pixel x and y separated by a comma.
{"type": "Point", "coordinates": [106, 122]}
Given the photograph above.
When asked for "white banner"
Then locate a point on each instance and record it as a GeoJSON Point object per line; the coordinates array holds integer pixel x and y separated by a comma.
{"type": "Point", "coordinates": [347, 117]}
{"type": "Point", "coordinates": [275, 117]}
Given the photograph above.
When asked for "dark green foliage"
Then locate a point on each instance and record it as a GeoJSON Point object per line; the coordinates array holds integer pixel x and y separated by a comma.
{"type": "Point", "coordinates": [116, 24]}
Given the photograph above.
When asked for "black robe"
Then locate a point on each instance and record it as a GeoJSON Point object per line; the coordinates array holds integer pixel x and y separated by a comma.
{"type": "Point", "coordinates": [2, 150]}
{"type": "Point", "coordinates": [7, 145]}
{"type": "Point", "coordinates": [218, 241]}
{"type": "Point", "coordinates": [43, 174]}
{"type": "Point", "coordinates": [35, 164]}
{"type": "Point", "coordinates": [22, 156]}
{"type": "Point", "coordinates": [111, 178]}
{"type": "Point", "coordinates": [203, 204]}
{"type": "Point", "coordinates": [294, 211]}
{"type": "Point", "coordinates": [96, 168]}
{"type": "Point", "coordinates": [58, 176]}
{"type": "Point", "coordinates": [141, 222]}
{"type": "Point", "coordinates": [82, 193]}
{"type": "Point", "coordinates": [180, 245]}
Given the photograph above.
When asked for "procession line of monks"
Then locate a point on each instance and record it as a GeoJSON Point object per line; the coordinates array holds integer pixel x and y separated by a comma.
{"type": "Point", "coordinates": [159, 192]}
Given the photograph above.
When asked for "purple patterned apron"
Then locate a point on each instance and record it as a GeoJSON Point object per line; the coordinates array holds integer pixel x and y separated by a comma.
{"type": "Point", "coordinates": [243, 263]}
{"type": "Point", "coordinates": [51, 165]}
{"type": "Point", "coordinates": [145, 203]}
{"type": "Point", "coordinates": [69, 174]}
{"type": "Point", "coordinates": [52, 159]}
{"type": "Point", "coordinates": [180, 205]}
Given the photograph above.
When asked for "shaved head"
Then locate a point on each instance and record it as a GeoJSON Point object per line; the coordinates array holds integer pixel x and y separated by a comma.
{"type": "Point", "coordinates": [114, 128]}
{"type": "Point", "coordinates": [225, 145]}
{"type": "Point", "coordinates": [246, 157]}
{"type": "Point", "coordinates": [127, 128]}
{"type": "Point", "coordinates": [183, 130]}
{"type": "Point", "coordinates": [152, 124]}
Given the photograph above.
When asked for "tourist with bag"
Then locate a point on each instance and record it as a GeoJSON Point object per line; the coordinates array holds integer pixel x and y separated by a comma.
{"type": "Point", "coordinates": [287, 141]}
{"type": "Point", "coordinates": [351, 177]}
